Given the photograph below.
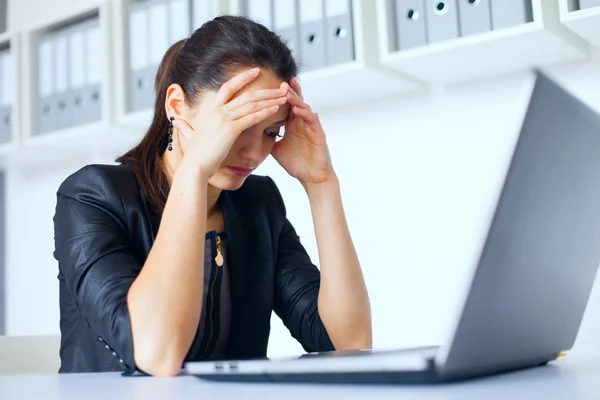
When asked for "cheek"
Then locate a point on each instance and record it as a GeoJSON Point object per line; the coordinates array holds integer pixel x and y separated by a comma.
{"type": "Point", "coordinates": [268, 145]}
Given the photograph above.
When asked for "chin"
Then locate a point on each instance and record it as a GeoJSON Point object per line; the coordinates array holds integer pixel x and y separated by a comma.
{"type": "Point", "coordinates": [226, 181]}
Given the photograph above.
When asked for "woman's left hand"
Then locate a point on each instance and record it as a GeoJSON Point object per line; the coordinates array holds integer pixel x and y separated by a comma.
{"type": "Point", "coordinates": [303, 151]}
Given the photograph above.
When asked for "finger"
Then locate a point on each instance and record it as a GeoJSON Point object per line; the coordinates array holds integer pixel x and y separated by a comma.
{"type": "Point", "coordinates": [294, 93]}
{"type": "Point", "coordinates": [257, 95]}
{"type": "Point", "coordinates": [183, 127]}
{"type": "Point", "coordinates": [232, 86]}
{"type": "Point", "coordinates": [255, 106]}
{"type": "Point", "coordinates": [305, 114]}
{"type": "Point", "coordinates": [296, 86]}
{"type": "Point", "coordinates": [249, 120]}
{"type": "Point", "coordinates": [295, 100]}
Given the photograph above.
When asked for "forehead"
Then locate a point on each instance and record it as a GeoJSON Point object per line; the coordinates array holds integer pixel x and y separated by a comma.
{"type": "Point", "coordinates": [266, 80]}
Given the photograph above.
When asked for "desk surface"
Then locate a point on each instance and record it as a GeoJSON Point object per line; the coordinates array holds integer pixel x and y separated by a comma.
{"type": "Point", "coordinates": [573, 378]}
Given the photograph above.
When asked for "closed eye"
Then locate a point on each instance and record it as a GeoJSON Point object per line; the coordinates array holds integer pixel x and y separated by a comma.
{"type": "Point", "coordinates": [273, 134]}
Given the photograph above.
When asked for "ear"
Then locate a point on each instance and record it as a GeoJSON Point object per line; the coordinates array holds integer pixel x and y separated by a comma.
{"type": "Point", "coordinates": [175, 105]}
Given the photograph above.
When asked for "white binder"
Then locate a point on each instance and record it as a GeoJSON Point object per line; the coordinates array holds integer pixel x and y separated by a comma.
{"type": "Point", "coordinates": [339, 38]}
{"type": "Point", "coordinates": [261, 11]}
{"type": "Point", "coordinates": [286, 24]}
{"type": "Point", "coordinates": [47, 110]}
{"type": "Point", "coordinates": [312, 34]}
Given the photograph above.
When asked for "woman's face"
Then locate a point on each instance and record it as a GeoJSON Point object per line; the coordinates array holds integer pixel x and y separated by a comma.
{"type": "Point", "coordinates": [253, 145]}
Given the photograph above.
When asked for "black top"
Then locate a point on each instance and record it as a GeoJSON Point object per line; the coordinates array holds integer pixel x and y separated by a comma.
{"type": "Point", "coordinates": [103, 235]}
{"type": "Point", "coordinates": [215, 318]}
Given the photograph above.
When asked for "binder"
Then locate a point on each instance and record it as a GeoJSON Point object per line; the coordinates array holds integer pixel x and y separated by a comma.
{"type": "Point", "coordinates": [6, 96]}
{"type": "Point", "coordinates": [179, 20]}
{"type": "Point", "coordinates": [94, 71]}
{"type": "Point", "coordinates": [339, 41]}
{"type": "Point", "coordinates": [312, 34]}
{"type": "Point", "coordinates": [285, 24]}
{"type": "Point", "coordinates": [506, 13]}
{"type": "Point", "coordinates": [442, 20]}
{"type": "Point", "coordinates": [260, 11]}
{"type": "Point", "coordinates": [202, 11]}
{"type": "Point", "coordinates": [588, 4]}
{"type": "Point", "coordinates": [158, 34]}
{"type": "Point", "coordinates": [474, 16]}
{"type": "Point", "coordinates": [411, 28]}
{"type": "Point", "coordinates": [3, 15]}
{"type": "Point", "coordinates": [140, 89]}
{"type": "Point", "coordinates": [46, 116]}
{"type": "Point", "coordinates": [64, 109]}
{"type": "Point", "coordinates": [77, 67]}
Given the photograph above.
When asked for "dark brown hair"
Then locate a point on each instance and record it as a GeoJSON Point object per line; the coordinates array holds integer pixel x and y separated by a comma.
{"type": "Point", "coordinates": [202, 62]}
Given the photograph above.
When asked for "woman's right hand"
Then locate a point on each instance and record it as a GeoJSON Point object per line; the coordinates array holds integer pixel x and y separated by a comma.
{"type": "Point", "coordinates": [222, 119]}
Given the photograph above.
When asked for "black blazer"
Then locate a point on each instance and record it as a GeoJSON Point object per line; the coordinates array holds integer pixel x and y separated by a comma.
{"type": "Point", "coordinates": [103, 235]}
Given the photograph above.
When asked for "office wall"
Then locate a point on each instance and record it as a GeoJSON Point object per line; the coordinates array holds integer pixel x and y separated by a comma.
{"type": "Point", "coordinates": [419, 174]}
{"type": "Point", "coordinates": [2, 254]}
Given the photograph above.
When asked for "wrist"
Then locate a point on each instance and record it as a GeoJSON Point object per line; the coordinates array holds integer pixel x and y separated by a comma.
{"type": "Point", "coordinates": [191, 175]}
{"type": "Point", "coordinates": [316, 190]}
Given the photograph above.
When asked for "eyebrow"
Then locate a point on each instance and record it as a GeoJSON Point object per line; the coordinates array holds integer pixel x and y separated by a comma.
{"type": "Point", "coordinates": [278, 122]}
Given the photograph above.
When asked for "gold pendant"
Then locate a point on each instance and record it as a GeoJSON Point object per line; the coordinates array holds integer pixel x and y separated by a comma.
{"type": "Point", "coordinates": [219, 259]}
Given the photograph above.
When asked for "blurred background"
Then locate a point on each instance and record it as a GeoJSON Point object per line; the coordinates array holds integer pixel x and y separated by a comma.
{"type": "Point", "coordinates": [420, 99]}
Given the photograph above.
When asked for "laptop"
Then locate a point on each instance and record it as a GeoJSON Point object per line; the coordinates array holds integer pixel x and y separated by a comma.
{"type": "Point", "coordinates": [532, 279]}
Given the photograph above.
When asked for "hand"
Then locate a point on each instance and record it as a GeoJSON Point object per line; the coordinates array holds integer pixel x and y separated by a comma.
{"type": "Point", "coordinates": [303, 151]}
{"type": "Point", "coordinates": [223, 119]}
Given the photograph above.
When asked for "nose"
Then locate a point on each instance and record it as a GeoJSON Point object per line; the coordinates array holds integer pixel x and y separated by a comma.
{"type": "Point", "coordinates": [251, 145]}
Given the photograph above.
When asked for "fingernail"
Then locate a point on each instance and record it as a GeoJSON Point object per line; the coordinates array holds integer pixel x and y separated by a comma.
{"type": "Point", "coordinates": [255, 71]}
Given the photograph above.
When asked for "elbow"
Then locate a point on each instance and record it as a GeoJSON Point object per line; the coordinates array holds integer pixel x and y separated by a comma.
{"type": "Point", "coordinates": [355, 340]}
{"type": "Point", "coordinates": [354, 343]}
{"type": "Point", "coordinates": [158, 363]}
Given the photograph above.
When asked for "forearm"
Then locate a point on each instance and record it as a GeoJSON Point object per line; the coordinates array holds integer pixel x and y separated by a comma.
{"type": "Point", "coordinates": [166, 298]}
{"type": "Point", "coordinates": [344, 304]}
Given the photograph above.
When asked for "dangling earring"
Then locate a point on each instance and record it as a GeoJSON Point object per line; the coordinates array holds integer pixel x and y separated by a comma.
{"type": "Point", "coordinates": [171, 133]}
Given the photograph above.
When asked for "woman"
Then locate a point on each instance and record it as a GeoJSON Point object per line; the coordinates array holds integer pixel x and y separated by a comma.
{"type": "Point", "coordinates": [177, 254]}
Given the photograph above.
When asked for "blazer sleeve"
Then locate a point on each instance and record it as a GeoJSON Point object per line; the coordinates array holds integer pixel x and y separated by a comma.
{"type": "Point", "coordinates": [297, 282]}
{"type": "Point", "coordinates": [94, 256]}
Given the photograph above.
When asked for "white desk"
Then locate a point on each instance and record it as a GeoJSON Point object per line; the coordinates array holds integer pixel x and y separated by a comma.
{"type": "Point", "coordinates": [573, 378]}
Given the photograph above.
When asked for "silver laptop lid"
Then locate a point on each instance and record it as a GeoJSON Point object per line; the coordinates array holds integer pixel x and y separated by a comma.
{"type": "Point", "coordinates": [539, 261]}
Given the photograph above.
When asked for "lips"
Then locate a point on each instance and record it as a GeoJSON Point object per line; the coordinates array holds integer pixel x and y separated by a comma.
{"type": "Point", "coordinates": [240, 171]}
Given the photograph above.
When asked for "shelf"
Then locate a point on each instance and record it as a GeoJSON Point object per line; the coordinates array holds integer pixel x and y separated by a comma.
{"type": "Point", "coordinates": [128, 113]}
{"type": "Point", "coordinates": [585, 23]}
{"type": "Point", "coordinates": [11, 41]}
{"type": "Point", "coordinates": [362, 80]}
{"type": "Point", "coordinates": [540, 43]}
{"type": "Point", "coordinates": [74, 137]}
{"type": "Point", "coordinates": [351, 83]}
{"type": "Point", "coordinates": [90, 141]}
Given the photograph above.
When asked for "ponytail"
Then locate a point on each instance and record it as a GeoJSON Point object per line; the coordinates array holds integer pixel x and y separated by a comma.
{"type": "Point", "coordinates": [144, 158]}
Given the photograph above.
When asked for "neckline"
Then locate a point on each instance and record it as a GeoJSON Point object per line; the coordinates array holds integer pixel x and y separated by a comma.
{"type": "Point", "coordinates": [213, 234]}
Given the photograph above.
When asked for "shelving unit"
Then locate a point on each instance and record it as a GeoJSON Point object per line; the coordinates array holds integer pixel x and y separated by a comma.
{"type": "Point", "coordinates": [10, 140]}
{"type": "Point", "coordinates": [559, 33]}
{"type": "Point", "coordinates": [539, 43]}
{"type": "Point", "coordinates": [362, 79]}
{"type": "Point", "coordinates": [82, 136]}
{"type": "Point", "coordinates": [136, 120]}
{"type": "Point", "coordinates": [584, 22]}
